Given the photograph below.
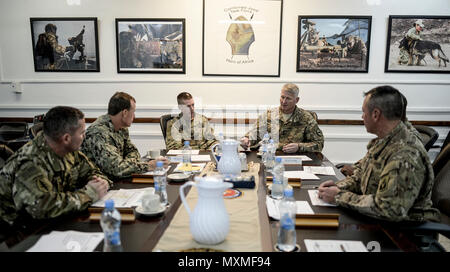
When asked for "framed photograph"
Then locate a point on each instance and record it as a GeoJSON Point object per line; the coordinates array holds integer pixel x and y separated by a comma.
{"type": "Point", "coordinates": [65, 44]}
{"type": "Point", "coordinates": [242, 38]}
{"type": "Point", "coordinates": [333, 43]}
{"type": "Point", "coordinates": [150, 45]}
{"type": "Point", "coordinates": [418, 44]}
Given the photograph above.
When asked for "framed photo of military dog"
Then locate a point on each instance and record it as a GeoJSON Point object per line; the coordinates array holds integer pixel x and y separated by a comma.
{"type": "Point", "coordinates": [242, 37]}
{"type": "Point", "coordinates": [150, 45]}
{"type": "Point", "coordinates": [65, 44]}
{"type": "Point", "coordinates": [333, 43]}
{"type": "Point", "coordinates": [418, 44]}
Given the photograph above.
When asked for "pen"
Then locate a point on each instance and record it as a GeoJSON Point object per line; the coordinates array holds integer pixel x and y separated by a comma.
{"type": "Point", "coordinates": [343, 248]}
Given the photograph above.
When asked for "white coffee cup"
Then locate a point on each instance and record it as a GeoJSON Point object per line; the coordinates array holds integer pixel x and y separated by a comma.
{"type": "Point", "coordinates": [151, 202]}
{"type": "Point", "coordinates": [154, 153]}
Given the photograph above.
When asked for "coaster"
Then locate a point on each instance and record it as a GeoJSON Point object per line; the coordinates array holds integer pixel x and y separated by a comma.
{"type": "Point", "coordinates": [296, 249]}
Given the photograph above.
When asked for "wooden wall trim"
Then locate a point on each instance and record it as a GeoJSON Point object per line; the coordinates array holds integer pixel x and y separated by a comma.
{"type": "Point", "coordinates": [230, 121]}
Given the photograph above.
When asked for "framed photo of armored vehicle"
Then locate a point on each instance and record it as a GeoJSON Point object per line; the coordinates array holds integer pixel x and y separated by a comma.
{"type": "Point", "coordinates": [150, 45]}
{"type": "Point", "coordinates": [242, 38]}
{"type": "Point", "coordinates": [333, 43]}
{"type": "Point", "coordinates": [418, 44]}
{"type": "Point", "coordinates": [65, 44]}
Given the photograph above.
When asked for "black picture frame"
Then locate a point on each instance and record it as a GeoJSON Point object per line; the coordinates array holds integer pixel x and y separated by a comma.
{"type": "Point", "coordinates": [254, 50]}
{"type": "Point", "coordinates": [65, 44]}
{"type": "Point", "coordinates": [404, 54]}
{"type": "Point", "coordinates": [151, 45]}
{"type": "Point", "coordinates": [344, 48]}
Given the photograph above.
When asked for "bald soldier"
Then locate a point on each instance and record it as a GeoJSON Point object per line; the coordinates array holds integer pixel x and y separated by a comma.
{"type": "Point", "coordinates": [394, 180]}
{"type": "Point", "coordinates": [49, 176]}
{"type": "Point", "coordinates": [108, 142]}
{"type": "Point", "coordinates": [292, 128]}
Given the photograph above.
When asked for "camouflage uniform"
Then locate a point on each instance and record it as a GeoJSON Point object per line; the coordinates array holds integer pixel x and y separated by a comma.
{"type": "Point", "coordinates": [300, 128]}
{"type": "Point", "coordinates": [200, 137]}
{"type": "Point", "coordinates": [393, 181]}
{"type": "Point", "coordinates": [111, 150]}
{"type": "Point", "coordinates": [38, 183]}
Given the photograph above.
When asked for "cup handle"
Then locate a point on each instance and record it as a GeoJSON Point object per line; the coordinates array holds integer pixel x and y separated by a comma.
{"type": "Point", "coordinates": [183, 198]}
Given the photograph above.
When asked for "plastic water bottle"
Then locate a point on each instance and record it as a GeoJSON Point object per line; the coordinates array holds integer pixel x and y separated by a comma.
{"type": "Point", "coordinates": [110, 221]}
{"type": "Point", "coordinates": [278, 170]}
{"type": "Point", "coordinates": [278, 179]}
{"type": "Point", "coordinates": [160, 179]}
{"type": "Point", "coordinates": [287, 237]}
{"type": "Point", "coordinates": [187, 163]}
{"type": "Point", "coordinates": [271, 148]}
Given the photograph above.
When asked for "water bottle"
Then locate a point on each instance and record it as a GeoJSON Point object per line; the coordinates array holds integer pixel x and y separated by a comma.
{"type": "Point", "coordinates": [160, 179]}
{"type": "Point", "coordinates": [287, 237]}
{"type": "Point", "coordinates": [110, 221]}
{"type": "Point", "coordinates": [278, 180]}
{"type": "Point", "coordinates": [187, 163]}
{"type": "Point", "coordinates": [271, 148]}
{"type": "Point", "coordinates": [263, 148]}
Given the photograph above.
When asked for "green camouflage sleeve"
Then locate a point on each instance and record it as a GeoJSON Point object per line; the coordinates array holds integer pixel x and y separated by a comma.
{"type": "Point", "coordinates": [88, 170]}
{"type": "Point", "coordinates": [208, 135]}
{"type": "Point", "coordinates": [314, 139]}
{"type": "Point", "coordinates": [399, 186]}
{"type": "Point", "coordinates": [34, 192]}
{"type": "Point", "coordinates": [173, 141]}
{"type": "Point", "coordinates": [254, 132]}
{"type": "Point", "coordinates": [412, 34]}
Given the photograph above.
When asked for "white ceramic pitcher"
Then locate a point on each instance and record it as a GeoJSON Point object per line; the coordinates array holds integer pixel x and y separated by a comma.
{"type": "Point", "coordinates": [209, 222]}
{"type": "Point", "coordinates": [229, 162]}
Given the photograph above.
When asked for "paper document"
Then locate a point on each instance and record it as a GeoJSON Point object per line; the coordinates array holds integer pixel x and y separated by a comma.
{"type": "Point", "coordinates": [200, 158]}
{"type": "Point", "coordinates": [151, 173]}
{"type": "Point", "coordinates": [294, 159]}
{"type": "Point", "coordinates": [334, 246]}
{"type": "Point", "coordinates": [300, 174]}
{"type": "Point", "coordinates": [175, 159]}
{"type": "Point", "coordinates": [124, 198]}
{"type": "Point", "coordinates": [273, 204]}
{"type": "Point", "coordinates": [316, 201]}
{"type": "Point", "coordinates": [180, 152]}
{"type": "Point", "coordinates": [67, 241]}
{"type": "Point", "coordinates": [196, 167]}
{"type": "Point", "coordinates": [320, 170]}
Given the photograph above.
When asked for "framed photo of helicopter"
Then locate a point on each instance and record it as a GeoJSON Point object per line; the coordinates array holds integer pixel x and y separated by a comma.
{"type": "Point", "coordinates": [65, 44]}
{"type": "Point", "coordinates": [333, 43]}
{"type": "Point", "coordinates": [150, 45]}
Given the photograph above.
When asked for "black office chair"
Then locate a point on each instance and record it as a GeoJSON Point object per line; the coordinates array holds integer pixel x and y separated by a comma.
{"type": "Point", "coordinates": [428, 135]}
{"type": "Point", "coordinates": [163, 123]}
{"type": "Point", "coordinates": [5, 153]}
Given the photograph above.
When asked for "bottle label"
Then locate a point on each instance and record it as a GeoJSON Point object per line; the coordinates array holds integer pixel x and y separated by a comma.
{"type": "Point", "coordinates": [287, 223]}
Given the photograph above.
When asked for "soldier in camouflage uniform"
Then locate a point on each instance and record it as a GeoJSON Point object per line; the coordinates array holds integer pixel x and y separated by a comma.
{"type": "Point", "coordinates": [108, 142]}
{"type": "Point", "coordinates": [292, 128]}
{"type": "Point", "coordinates": [48, 177]}
{"type": "Point", "coordinates": [394, 180]}
{"type": "Point", "coordinates": [189, 126]}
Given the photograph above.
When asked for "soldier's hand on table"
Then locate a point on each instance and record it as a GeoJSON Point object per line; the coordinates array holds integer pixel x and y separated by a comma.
{"type": "Point", "coordinates": [164, 160]}
{"type": "Point", "coordinates": [245, 142]}
{"type": "Point", "coordinates": [290, 148]}
{"type": "Point", "coordinates": [100, 185]}
{"type": "Point", "coordinates": [328, 190]}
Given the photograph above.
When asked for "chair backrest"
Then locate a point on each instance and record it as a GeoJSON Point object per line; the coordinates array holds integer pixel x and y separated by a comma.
{"type": "Point", "coordinates": [441, 189]}
{"type": "Point", "coordinates": [428, 135]}
{"type": "Point", "coordinates": [163, 123]}
{"type": "Point", "coordinates": [5, 153]}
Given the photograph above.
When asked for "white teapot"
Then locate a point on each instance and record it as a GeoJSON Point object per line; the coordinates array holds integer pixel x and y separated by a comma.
{"type": "Point", "coordinates": [209, 222]}
{"type": "Point", "coordinates": [228, 162]}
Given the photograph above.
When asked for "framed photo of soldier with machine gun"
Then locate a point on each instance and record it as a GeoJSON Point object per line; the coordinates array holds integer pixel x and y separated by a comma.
{"type": "Point", "coordinates": [333, 43]}
{"type": "Point", "coordinates": [65, 44]}
{"type": "Point", "coordinates": [150, 45]}
{"type": "Point", "coordinates": [418, 44]}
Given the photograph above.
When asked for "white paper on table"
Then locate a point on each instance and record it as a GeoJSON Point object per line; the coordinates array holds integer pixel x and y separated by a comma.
{"type": "Point", "coordinates": [300, 174]}
{"type": "Point", "coordinates": [294, 159]}
{"type": "Point", "coordinates": [201, 165]}
{"type": "Point", "coordinates": [67, 241]}
{"type": "Point", "coordinates": [200, 158]}
{"type": "Point", "coordinates": [153, 172]}
{"type": "Point", "coordinates": [180, 152]}
{"type": "Point", "coordinates": [123, 198]}
{"type": "Point", "coordinates": [303, 207]}
{"type": "Point", "coordinates": [320, 170]}
{"type": "Point", "coordinates": [175, 159]}
{"type": "Point", "coordinates": [334, 246]}
{"type": "Point", "coordinates": [316, 201]}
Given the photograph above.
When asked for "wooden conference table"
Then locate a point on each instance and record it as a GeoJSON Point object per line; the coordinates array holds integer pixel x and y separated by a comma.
{"type": "Point", "coordinates": [143, 234]}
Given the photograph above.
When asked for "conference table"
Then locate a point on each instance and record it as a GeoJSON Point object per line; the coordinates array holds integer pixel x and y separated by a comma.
{"type": "Point", "coordinates": [143, 234]}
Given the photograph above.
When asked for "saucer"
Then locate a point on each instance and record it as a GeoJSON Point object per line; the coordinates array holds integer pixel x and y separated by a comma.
{"type": "Point", "coordinates": [140, 210]}
{"type": "Point", "coordinates": [178, 177]}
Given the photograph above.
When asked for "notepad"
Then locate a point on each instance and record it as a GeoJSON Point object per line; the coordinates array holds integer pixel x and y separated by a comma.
{"type": "Point", "coordinates": [67, 241]}
{"type": "Point", "coordinates": [273, 204]}
{"type": "Point", "coordinates": [316, 201]}
{"type": "Point", "coordinates": [303, 175]}
{"type": "Point", "coordinates": [123, 198]}
{"type": "Point", "coordinates": [334, 246]}
{"type": "Point", "coordinates": [320, 170]}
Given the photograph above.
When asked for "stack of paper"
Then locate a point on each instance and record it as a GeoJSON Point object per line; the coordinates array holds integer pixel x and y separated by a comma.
{"type": "Point", "coordinates": [320, 170]}
{"type": "Point", "coordinates": [334, 246]}
{"type": "Point", "coordinates": [67, 241]}
{"type": "Point", "coordinates": [316, 201]}
{"type": "Point", "coordinates": [294, 159]}
{"type": "Point", "coordinates": [273, 204]}
{"type": "Point", "coordinates": [124, 198]}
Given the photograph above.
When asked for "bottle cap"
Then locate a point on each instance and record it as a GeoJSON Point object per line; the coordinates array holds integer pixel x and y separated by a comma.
{"type": "Point", "coordinates": [109, 204]}
{"type": "Point", "coordinates": [159, 164]}
{"type": "Point", "coordinates": [278, 159]}
{"type": "Point", "coordinates": [186, 143]}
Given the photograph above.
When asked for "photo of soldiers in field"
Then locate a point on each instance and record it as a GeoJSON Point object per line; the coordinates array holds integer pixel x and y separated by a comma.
{"type": "Point", "coordinates": [333, 44]}
{"type": "Point", "coordinates": [65, 44]}
{"type": "Point", "coordinates": [150, 46]}
{"type": "Point", "coordinates": [418, 44]}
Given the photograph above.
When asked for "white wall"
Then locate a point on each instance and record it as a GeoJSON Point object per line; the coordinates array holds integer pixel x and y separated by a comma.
{"type": "Point", "coordinates": [331, 95]}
